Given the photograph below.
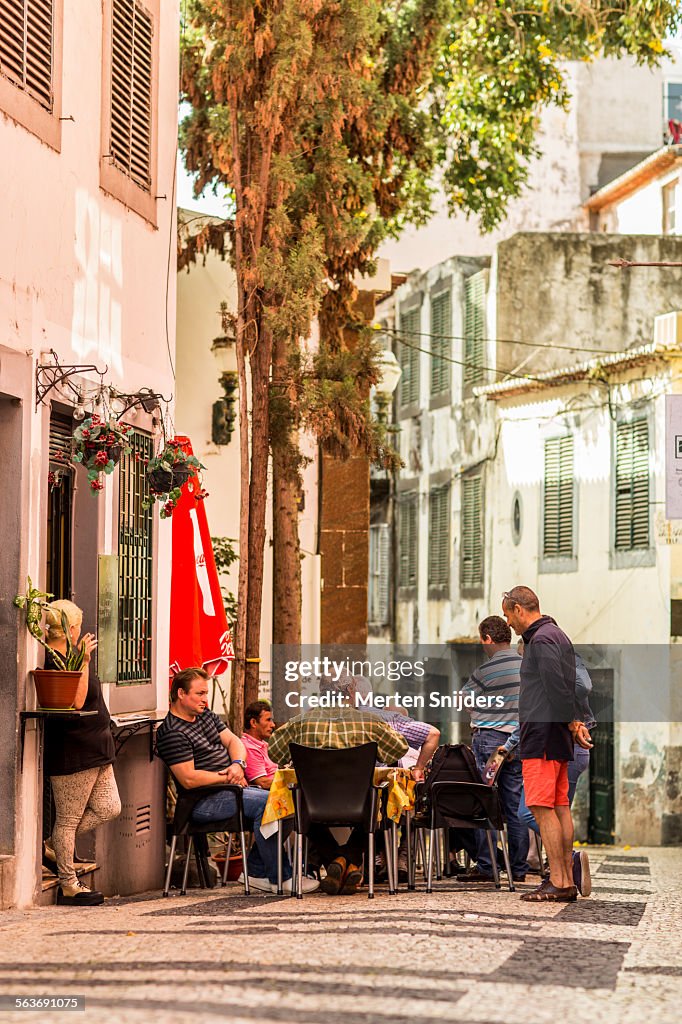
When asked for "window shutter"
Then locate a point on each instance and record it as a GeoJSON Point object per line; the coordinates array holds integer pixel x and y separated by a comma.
{"type": "Point", "coordinates": [131, 91]}
{"type": "Point", "coordinates": [408, 540]}
{"type": "Point", "coordinates": [379, 568]}
{"type": "Point", "coordinates": [26, 43]}
{"type": "Point", "coordinates": [61, 433]}
{"type": "Point", "coordinates": [472, 533]}
{"type": "Point", "coordinates": [558, 498]}
{"type": "Point", "coordinates": [441, 329]}
{"type": "Point", "coordinates": [409, 356]}
{"type": "Point", "coordinates": [632, 486]}
{"type": "Point", "coordinates": [474, 330]}
{"type": "Point", "coordinates": [439, 537]}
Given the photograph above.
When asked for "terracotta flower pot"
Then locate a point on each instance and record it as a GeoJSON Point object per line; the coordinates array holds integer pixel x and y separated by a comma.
{"type": "Point", "coordinates": [235, 868]}
{"type": "Point", "coordinates": [56, 691]}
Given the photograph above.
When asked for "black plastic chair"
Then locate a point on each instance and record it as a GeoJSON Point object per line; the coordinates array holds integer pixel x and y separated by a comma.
{"type": "Point", "coordinates": [487, 816]}
{"type": "Point", "coordinates": [196, 834]}
{"type": "Point", "coordinates": [334, 787]}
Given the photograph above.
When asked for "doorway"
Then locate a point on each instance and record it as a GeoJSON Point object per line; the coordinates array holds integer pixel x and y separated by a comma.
{"type": "Point", "coordinates": [601, 822]}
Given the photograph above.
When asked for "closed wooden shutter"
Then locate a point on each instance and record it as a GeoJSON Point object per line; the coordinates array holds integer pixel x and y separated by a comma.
{"type": "Point", "coordinates": [61, 433]}
{"type": "Point", "coordinates": [26, 46]}
{"type": "Point", "coordinates": [439, 537]}
{"type": "Point", "coordinates": [441, 329]}
{"type": "Point", "coordinates": [408, 540]}
{"type": "Point", "coordinates": [131, 91]}
{"type": "Point", "coordinates": [379, 570]}
{"type": "Point", "coordinates": [410, 343]}
{"type": "Point", "coordinates": [474, 330]}
{"type": "Point", "coordinates": [472, 533]}
{"type": "Point", "coordinates": [632, 485]}
{"type": "Point", "coordinates": [558, 498]}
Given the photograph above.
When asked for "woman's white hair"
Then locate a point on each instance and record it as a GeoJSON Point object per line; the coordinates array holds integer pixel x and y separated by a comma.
{"type": "Point", "coordinates": [53, 618]}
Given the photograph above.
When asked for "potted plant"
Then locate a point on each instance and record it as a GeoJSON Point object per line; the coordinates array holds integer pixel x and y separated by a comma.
{"type": "Point", "coordinates": [55, 688]}
{"type": "Point", "coordinates": [99, 447]}
{"type": "Point", "coordinates": [167, 473]}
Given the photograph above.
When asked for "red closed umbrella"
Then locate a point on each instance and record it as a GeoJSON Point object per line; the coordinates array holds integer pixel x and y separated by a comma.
{"type": "Point", "coordinates": [199, 633]}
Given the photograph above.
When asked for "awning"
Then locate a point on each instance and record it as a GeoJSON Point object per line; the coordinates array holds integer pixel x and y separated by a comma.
{"type": "Point", "coordinates": [199, 633]}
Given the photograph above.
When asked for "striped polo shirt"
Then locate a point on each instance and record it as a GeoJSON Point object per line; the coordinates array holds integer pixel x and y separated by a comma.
{"type": "Point", "coordinates": [499, 677]}
{"type": "Point", "coordinates": [178, 740]}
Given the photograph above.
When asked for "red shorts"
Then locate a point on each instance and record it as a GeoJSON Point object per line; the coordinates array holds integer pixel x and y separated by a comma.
{"type": "Point", "coordinates": [545, 783]}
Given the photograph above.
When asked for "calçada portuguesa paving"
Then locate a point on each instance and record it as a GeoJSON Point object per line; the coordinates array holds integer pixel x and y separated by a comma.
{"type": "Point", "coordinates": [460, 954]}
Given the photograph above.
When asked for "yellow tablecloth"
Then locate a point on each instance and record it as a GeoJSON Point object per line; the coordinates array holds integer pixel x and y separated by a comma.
{"type": "Point", "coordinates": [400, 793]}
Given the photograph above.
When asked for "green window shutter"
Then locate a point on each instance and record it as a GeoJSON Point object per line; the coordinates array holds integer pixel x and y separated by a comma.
{"type": "Point", "coordinates": [410, 344]}
{"type": "Point", "coordinates": [441, 330]}
{"type": "Point", "coordinates": [408, 540]}
{"type": "Point", "coordinates": [474, 330]}
{"type": "Point", "coordinates": [439, 537]}
{"type": "Point", "coordinates": [26, 46]}
{"type": "Point", "coordinates": [632, 486]}
{"type": "Point", "coordinates": [558, 498]}
{"type": "Point", "coordinates": [379, 573]}
{"type": "Point", "coordinates": [472, 533]}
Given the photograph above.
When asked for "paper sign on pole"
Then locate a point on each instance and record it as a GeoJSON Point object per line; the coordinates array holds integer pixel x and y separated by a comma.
{"type": "Point", "coordinates": [673, 456]}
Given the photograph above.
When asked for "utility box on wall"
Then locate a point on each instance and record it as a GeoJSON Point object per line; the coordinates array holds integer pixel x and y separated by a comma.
{"type": "Point", "coordinates": [131, 849]}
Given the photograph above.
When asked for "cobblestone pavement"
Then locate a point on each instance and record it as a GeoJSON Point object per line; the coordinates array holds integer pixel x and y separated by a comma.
{"type": "Point", "coordinates": [460, 954]}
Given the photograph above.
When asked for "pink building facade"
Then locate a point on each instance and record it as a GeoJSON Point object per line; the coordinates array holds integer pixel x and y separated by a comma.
{"type": "Point", "coordinates": [88, 132]}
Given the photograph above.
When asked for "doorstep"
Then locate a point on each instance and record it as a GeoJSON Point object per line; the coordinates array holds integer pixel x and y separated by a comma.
{"type": "Point", "coordinates": [50, 882]}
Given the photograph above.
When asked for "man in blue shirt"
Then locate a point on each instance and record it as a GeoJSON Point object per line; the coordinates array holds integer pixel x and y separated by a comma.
{"type": "Point", "coordinates": [496, 729]}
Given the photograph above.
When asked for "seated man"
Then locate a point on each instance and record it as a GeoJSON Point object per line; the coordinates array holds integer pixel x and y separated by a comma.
{"type": "Point", "coordinates": [259, 726]}
{"type": "Point", "coordinates": [338, 727]}
{"type": "Point", "coordinates": [200, 750]}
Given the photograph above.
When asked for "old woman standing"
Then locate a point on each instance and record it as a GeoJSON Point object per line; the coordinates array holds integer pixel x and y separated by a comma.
{"type": "Point", "coordinates": [79, 756]}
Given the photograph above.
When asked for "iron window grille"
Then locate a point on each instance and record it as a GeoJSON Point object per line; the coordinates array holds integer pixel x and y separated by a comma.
{"type": "Point", "coordinates": [632, 486]}
{"type": "Point", "coordinates": [26, 47]}
{"type": "Point", "coordinates": [558, 505]}
{"type": "Point", "coordinates": [131, 91]}
{"type": "Point", "coordinates": [135, 564]}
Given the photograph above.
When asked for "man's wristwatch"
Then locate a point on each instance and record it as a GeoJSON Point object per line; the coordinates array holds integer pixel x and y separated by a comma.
{"type": "Point", "coordinates": [238, 760]}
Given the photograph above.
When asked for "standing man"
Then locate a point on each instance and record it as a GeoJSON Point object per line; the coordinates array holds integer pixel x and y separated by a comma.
{"type": "Point", "coordinates": [547, 712]}
{"type": "Point", "coordinates": [497, 730]}
{"type": "Point", "coordinates": [259, 726]}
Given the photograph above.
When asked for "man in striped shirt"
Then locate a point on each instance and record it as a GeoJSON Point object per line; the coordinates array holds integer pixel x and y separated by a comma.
{"type": "Point", "coordinates": [497, 729]}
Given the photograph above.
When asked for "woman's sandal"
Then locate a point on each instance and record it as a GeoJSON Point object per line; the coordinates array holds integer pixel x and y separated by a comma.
{"type": "Point", "coordinates": [548, 893]}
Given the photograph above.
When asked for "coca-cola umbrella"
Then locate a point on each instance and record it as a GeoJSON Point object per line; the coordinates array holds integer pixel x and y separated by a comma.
{"type": "Point", "coordinates": [199, 633]}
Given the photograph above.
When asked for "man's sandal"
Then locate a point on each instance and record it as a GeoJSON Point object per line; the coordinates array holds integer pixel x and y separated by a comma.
{"type": "Point", "coordinates": [548, 893]}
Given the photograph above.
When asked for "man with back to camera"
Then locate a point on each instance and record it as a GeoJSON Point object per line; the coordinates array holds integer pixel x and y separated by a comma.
{"type": "Point", "coordinates": [200, 750]}
{"type": "Point", "coordinates": [497, 730]}
{"type": "Point", "coordinates": [547, 713]}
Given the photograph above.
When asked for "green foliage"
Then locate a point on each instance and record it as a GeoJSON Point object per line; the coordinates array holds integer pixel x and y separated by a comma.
{"type": "Point", "coordinates": [225, 556]}
{"type": "Point", "coordinates": [35, 603]}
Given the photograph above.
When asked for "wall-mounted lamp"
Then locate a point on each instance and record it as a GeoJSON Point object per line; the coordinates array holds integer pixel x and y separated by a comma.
{"type": "Point", "coordinates": [224, 412]}
{"type": "Point", "coordinates": [390, 374]}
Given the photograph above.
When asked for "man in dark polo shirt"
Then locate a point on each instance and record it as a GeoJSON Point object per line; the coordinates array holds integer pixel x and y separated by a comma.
{"type": "Point", "coordinates": [200, 750]}
{"type": "Point", "coordinates": [547, 715]}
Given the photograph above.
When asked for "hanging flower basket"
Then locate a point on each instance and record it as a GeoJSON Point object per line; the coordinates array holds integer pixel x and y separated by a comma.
{"type": "Point", "coordinates": [99, 447]}
{"type": "Point", "coordinates": [167, 473]}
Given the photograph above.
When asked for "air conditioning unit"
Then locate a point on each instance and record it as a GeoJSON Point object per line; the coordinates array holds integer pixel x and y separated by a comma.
{"type": "Point", "coordinates": [668, 329]}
